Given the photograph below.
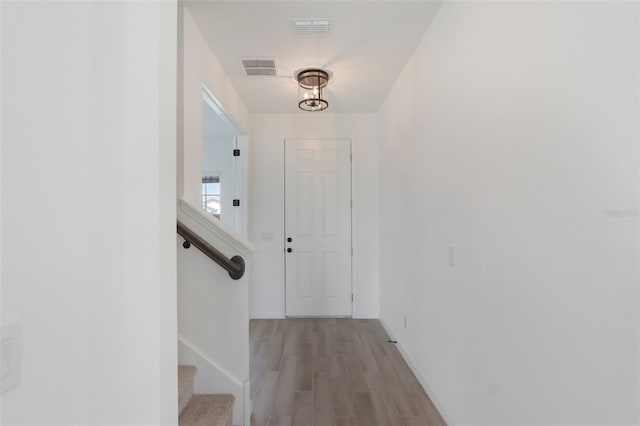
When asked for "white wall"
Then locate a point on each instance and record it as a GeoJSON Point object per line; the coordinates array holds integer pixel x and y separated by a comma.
{"type": "Point", "coordinates": [198, 66]}
{"type": "Point", "coordinates": [213, 309]}
{"type": "Point", "coordinates": [512, 135]}
{"type": "Point", "coordinates": [266, 188]}
{"type": "Point", "coordinates": [88, 210]}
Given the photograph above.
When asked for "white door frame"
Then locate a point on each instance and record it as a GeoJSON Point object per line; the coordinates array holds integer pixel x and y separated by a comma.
{"type": "Point", "coordinates": [353, 235]}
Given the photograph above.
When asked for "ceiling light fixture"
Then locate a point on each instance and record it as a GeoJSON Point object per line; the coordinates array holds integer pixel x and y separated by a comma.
{"type": "Point", "coordinates": [311, 85]}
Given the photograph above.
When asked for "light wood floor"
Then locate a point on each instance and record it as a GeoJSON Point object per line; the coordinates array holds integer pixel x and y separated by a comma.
{"type": "Point", "coordinates": [332, 372]}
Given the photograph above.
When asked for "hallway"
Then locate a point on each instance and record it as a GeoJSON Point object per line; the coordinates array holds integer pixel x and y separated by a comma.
{"type": "Point", "coordinates": [333, 372]}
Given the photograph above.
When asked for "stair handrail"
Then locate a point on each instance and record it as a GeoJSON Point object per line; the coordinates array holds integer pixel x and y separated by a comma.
{"type": "Point", "coordinates": [234, 266]}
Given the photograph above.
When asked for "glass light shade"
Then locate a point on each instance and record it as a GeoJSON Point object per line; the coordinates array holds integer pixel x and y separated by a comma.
{"type": "Point", "coordinates": [311, 90]}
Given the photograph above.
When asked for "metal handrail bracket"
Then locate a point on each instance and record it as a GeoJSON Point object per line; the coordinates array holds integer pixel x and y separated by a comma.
{"type": "Point", "coordinates": [235, 266]}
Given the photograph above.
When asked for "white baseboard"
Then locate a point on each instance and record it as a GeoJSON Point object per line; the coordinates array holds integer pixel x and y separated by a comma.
{"type": "Point", "coordinates": [364, 315]}
{"type": "Point", "coordinates": [421, 379]}
{"type": "Point", "coordinates": [280, 315]}
{"type": "Point", "coordinates": [267, 315]}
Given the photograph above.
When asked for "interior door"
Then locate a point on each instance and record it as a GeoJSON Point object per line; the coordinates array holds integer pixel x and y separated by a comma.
{"type": "Point", "coordinates": [318, 227]}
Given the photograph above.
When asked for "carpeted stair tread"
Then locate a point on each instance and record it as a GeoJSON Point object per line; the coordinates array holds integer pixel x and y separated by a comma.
{"type": "Point", "coordinates": [185, 385]}
{"type": "Point", "coordinates": [208, 410]}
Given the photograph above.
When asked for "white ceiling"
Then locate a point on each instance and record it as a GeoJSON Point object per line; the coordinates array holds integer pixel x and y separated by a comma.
{"type": "Point", "coordinates": [369, 45]}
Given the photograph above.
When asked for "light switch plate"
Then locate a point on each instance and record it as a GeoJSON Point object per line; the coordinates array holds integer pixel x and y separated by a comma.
{"type": "Point", "coordinates": [10, 355]}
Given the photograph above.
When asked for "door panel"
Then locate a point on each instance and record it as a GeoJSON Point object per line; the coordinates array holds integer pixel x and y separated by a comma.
{"type": "Point", "coordinates": [330, 204]}
{"type": "Point", "coordinates": [304, 276]}
{"type": "Point", "coordinates": [304, 203]}
{"type": "Point", "coordinates": [318, 221]}
{"type": "Point", "coordinates": [331, 279]}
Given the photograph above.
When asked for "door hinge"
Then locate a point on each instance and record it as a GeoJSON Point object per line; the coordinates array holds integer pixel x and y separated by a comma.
{"type": "Point", "coordinates": [236, 203]}
{"type": "Point", "coordinates": [351, 251]}
{"type": "Point", "coordinates": [352, 297]}
{"type": "Point", "coordinates": [351, 157]}
{"type": "Point", "coordinates": [236, 153]}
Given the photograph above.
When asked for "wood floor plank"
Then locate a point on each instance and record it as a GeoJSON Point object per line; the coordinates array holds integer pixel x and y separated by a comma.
{"type": "Point", "coordinates": [386, 410]}
{"type": "Point", "coordinates": [302, 409]}
{"type": "Point", "coordinates": [264, 398]}
{"type": "Point", "coordinates": [291, 344]}
{"type": "Point", "coordinates": [396, 388]}
{"type": "Point", "coordinates": [347, 421]}
{"type": "Point", "coordinates": [306, 330]}
{"type": "Point", "coordinates": [340, 392]}
{"type": "Point", "coordinates": [304, 369]}
{"type": "Point", "coordinates": [282, 405]}
{"type": "Point", "coordinates": [319, 343]}
{"type": "Point", "coordinates": [332, 372]}
{"type": "Point", "coordinates": [417, 394]}
{"type": "Point", "coordinates": [321, 392]}
{"type": "Point", "coordinates": [353, 365]}
{"type": "Point", "coordinates": [320, 364]}
{"type": "Point", "coordinates": [365, 409]}
{"type": "Point", "coordinates": [257, 367]}
{"type": "Point", "coordinates": [426, 408]}
{"type": "Point", "coordinates": [280, 421]}
{"type": "Point", "coordinates": [345, 329]}
{"type": "Point", "coordinates": [274, 357]}
{"type": "Point", "coordinates": [414, 421]}
{"type": "Point", "coordinates": [323, 418]}
{"type": "Point", "coordinates": [366, 357]}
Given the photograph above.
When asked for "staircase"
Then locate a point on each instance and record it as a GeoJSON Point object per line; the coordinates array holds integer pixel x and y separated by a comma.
{"type": "Point", "coordinates": [201, 410]}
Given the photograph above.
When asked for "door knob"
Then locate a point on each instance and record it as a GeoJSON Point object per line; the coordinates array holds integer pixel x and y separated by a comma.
{"type": "Point", "coordinates": [289, 239]}
{"type": "Point", "coordinates": [289, 250]}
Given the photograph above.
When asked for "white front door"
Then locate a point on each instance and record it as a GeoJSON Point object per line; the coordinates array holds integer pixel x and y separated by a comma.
{"type": "Point", "coordinates": [318, 227]}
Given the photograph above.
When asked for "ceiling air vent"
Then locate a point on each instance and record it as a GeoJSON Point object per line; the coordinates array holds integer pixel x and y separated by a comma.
{"type": "Point", "coordinates": [315, 26]}
{"type": "Point", "coordinates": [258, 66]}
